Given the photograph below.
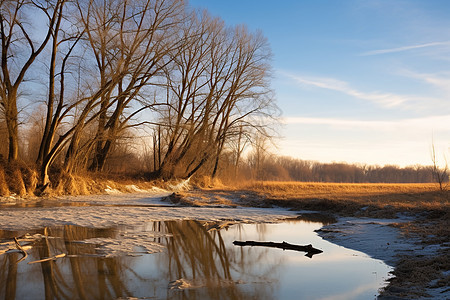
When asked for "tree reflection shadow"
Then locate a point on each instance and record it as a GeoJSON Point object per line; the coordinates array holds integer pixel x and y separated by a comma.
{"type": "Point", "coordinates": [71, 278]}
{"type": "Point", "coordinates": [213, 268]}
{"type": "Point", "coordinates": [203, 257]}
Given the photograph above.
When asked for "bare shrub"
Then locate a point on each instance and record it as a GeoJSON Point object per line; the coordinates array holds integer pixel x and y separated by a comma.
{"type": "Point", "coordinates": [30, 179]}
{"type": "Point", "coordinates": [17, 178]}
{"type": "Point", "coordinates": [206, 182]}
{"type": "Point", "coordinates": [65, 185]}
{"type": "Point", "coordinates": [15, 181]}
{"type": "Point", "coordinates": [69, 184]}
{"type": "Point", "coordinates": [82, 186]}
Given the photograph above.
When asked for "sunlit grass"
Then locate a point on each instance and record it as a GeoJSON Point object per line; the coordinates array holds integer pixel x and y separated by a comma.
{"type": "Point", "coordinates": [351, 195]}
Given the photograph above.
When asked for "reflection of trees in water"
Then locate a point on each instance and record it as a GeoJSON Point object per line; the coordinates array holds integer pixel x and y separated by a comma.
{"type": "Point", "coordinates": [202, 256]}
{"type": "Point", "coordinates": [324, 219]}
{"type": "Point", "coordinates": [193, 253]}
{"type": "Point", "coordinates": [104, 274]}
{"type": "Point", "coordinates": [74, 277]}
{"type": "Point", "coordinates": [8, 274]}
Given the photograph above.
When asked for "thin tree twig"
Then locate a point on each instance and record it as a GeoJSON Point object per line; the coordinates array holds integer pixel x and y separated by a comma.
{"type": "Point", "coordinates": [25, 254]}
{"type": "Point", "coordinates": [48, 259]}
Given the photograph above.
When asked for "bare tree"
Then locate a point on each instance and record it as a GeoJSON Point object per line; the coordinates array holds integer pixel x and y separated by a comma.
{"type": "Point", "coordinates": [16, 39]}
{"type": "Point", "coordinates": [57, 107]}
{"type": "Point", "coordinates": [237, 145]}
{"type": "Point", "coordinates": [185, 90]}
{"type": "Point", "coordinates": [248, 99]}
{"type": "Point", "coordinates": [440, 175]}
{"type": "Point", "coordinates": [146, 33]}
{"type": "Point", "coordinates": [258, 157]}
{"type": "Point", "coordinates": [217, 87]}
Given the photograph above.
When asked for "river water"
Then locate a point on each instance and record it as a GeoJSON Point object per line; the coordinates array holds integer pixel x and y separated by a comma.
{"type": "Point", "coordinates": [186, 260]}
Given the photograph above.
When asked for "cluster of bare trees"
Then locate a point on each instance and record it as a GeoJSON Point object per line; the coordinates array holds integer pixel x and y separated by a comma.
{"type": "Point", "coordinates": [94, 69]}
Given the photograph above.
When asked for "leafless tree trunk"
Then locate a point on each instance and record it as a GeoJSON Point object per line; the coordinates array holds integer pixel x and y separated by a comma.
{"type": "Point", "coordinates": [55, 115]}
{"type": "Point", "coordinates": [145, 35]}
{"type": "Point", "coordinates": [440, 175]}
{"type": "Point", "coordinates": [239, 148]}
{"type": "Point", "coordinates": [15, 34]}
{"type": "Point", "coordinates": [259, 157]}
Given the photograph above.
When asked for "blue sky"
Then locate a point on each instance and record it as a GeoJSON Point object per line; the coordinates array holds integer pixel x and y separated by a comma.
{"type": "Point", "coordinates": [357, 81]}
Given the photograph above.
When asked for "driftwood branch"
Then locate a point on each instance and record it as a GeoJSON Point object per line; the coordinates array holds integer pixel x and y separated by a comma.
{"type": "Point", "coordinates": [24, 253]}
{"type": "Point", "coordinates": [309, 249]}
{"type": "Point", "coordinates": [47, 259]}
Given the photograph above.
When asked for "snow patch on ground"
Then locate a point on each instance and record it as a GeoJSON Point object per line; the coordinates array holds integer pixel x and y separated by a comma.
{"type": "Point", "coordinates": [110, 247]}
{"type": "Point", "coordinates": [379, 240]}
{"type": "Point", "coordinates": [127, 211]}
{"type": "Point", "coordinates": [134, 188]}
{"type": "Point", "coordinates": [181, 186]}
{"type": "Point", "coordinates": [111, 191]}
{"type": "Point", "coordinates": [374, 237]}
{"type": "Point", "coordinates": [104, 215]}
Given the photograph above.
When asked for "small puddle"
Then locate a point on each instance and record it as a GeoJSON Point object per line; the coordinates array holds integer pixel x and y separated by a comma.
{"type": "Point", "coordinates": [185, 260]}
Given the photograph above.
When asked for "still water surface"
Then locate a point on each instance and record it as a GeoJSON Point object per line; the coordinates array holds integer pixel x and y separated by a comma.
{"type": "Point", "coordinates": [199, 261]}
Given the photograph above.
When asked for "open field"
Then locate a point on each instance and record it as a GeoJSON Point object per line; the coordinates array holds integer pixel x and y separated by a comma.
{"type": "Point", "coordinates": [351, 197]}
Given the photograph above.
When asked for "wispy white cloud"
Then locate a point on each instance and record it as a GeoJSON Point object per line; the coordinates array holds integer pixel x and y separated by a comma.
{"type": "Point", "coordinates": [387, 100]}
{"type": "Point", "coordinates": [424, 124]}
{"type": "Point", "coordinates": [405, 48]}
{"type": "Point", "coordinates": [437, 80]}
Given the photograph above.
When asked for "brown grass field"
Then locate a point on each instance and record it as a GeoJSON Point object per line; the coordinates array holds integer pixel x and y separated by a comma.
{"type": "Point", "coordinates": [351, 197]}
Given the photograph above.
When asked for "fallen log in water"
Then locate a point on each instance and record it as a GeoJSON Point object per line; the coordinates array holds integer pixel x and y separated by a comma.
{"type": "Point", "coordinates": [309, 249]}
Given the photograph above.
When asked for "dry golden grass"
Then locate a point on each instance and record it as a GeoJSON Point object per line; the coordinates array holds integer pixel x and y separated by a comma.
{"type": "Point", "coordinates": [413, 274]}
{"type": "Point", "coordinates": [17, 178]}
{"type": "Point", "coordinates": [30, 179]}
{"type": "Point", "coordinates": [206, 182]}
{"type": "Point", "coordinates": [16, 183]}
{"type": "Point", "coordinates": [337, 190]}
{"type": "Point", "coordinates": [85, 184]}
{"type": "Point", "coordinates": [381, 195]}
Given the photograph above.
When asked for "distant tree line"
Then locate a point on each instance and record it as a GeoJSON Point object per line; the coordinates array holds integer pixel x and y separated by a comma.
{"type": "Point", "coordinates": [107, 78]}
{"type": "Point", "coordinates": [288, 168]}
